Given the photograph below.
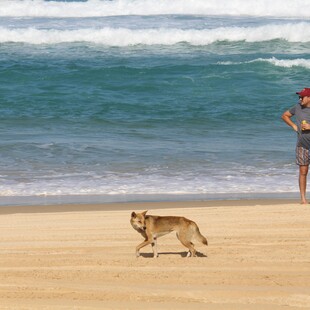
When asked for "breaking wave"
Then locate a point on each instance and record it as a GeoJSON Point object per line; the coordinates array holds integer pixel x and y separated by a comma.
{"type": "Point", "coordinates": [291, 32]}
{"type": "Point", "coordinates": [286, 63]}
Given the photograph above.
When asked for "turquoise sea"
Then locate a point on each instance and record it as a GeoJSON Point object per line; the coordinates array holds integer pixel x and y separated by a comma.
{"type": "Point", "coordinates": [138, 100]}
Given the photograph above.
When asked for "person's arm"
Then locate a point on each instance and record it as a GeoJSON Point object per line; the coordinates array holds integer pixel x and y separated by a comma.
{"type": "Point", "coordinates": [286, 116]}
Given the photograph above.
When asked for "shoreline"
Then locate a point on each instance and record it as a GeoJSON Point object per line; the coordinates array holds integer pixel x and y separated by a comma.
{"type": "Point", "coordinates": [48, 200]}
{"type": "Point", "coordinates": [132, 206]}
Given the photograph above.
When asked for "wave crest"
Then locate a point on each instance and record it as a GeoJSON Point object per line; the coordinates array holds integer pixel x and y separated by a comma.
{"type": "Point", "coordinates": [299, 32]}
{"type": "Point", "coordinates": [286, 63]}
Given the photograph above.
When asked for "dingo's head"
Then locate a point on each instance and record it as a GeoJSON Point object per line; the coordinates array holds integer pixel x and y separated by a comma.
{"type": "Point", "coordinates": [137, 221]}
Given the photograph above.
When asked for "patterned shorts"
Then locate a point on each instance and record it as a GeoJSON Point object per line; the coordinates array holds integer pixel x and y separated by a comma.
{"type": "Point", "coordinates": [302, 156]}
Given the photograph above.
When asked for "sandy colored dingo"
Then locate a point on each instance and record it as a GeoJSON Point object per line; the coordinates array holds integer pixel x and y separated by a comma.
{"type": "Point", "coordinates": [152, 227]}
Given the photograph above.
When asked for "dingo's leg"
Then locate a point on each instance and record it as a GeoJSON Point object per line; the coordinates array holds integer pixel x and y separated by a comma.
{"type": "Point", "coordinates": [188, 244]}
{"type": "Point", "coordinates": [154, 247]}
{"type": "Point", "coordinates": [141, 245]}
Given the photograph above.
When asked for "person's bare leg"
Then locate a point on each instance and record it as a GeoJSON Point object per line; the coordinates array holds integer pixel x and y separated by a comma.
{"type": "Point", "coordinates": [303, 172]}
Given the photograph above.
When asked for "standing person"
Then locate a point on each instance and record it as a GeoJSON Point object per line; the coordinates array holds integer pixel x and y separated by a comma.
{"type": "Point", "coordinates": [301, 111]}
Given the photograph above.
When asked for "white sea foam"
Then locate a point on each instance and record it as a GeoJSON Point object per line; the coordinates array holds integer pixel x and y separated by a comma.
{"type": "Point", "coordinates": [36, 8]}
{"type": "Point", "coordinates": [292, 32]}
{"type": "Point", "coordinates": [151, 185]}
{"type": "Point", "coordinates": [286, 63]}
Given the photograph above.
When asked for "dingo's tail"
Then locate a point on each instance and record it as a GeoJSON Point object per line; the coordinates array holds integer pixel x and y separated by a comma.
{"type": "Point", "coordinates": [204, 240]}
{"type": "Point", "coordinates": [201, 238]}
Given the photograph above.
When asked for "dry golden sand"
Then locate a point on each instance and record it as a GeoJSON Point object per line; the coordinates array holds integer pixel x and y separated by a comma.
{"type": "Point", "coordinates": [82, 257]}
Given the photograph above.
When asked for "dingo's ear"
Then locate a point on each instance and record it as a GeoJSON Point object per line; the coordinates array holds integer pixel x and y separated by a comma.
{"type": "Point", "coordinates": [133, 214]}
{"type": "Point", "coordinates": [143, 213]}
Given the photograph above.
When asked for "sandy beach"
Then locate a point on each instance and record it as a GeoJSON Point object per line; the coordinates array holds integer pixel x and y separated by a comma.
{"type": "Point", "coordinates": [82, 257]}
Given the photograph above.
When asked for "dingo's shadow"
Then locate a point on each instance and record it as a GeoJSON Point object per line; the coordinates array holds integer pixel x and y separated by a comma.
{"type": "Point", "coordinates": [182, 254]}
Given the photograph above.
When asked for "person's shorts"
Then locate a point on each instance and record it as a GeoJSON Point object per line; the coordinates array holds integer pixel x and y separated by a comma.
{"type": "Point", "coordinates": [302, 156]}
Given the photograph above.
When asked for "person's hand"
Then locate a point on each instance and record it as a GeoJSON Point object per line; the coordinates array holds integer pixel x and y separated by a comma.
{"type": "Point", "coordinates": [305, 126]}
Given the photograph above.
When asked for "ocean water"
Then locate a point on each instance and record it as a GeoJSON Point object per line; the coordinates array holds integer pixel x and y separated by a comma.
{"type": "Point", "coordinates": [137, 100]}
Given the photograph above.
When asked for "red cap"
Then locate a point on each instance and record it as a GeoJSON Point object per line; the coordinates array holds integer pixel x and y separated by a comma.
{"type": "Point", "coordinates": [305, 92]}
